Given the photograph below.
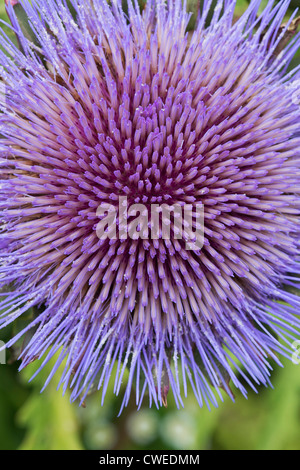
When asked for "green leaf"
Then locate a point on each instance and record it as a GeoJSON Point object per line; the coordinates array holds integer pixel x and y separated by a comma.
{"type": "Point", "coordinates": [281, 429]}
{"type": "Point", "coordinates": [49, 417]}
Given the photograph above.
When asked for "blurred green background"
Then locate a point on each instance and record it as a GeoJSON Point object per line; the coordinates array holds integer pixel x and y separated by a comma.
{"type": "Point", "coordinates": [29, 420]}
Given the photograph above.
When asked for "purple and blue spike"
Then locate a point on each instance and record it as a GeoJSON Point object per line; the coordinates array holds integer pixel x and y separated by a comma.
{"type": "Point", "coordinates": [101, 105]}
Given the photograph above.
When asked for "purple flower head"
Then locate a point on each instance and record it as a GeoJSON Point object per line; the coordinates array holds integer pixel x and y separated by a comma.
{"type": "Point", "coordinates": [101, 105]}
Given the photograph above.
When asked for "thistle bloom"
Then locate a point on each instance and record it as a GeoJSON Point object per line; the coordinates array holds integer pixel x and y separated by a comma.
{"type": "Point", "coordinates": [98, 104]}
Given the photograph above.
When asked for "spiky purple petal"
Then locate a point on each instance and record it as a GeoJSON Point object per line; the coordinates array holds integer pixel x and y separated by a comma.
{"type": "Point", "coordinates": [107, 106]}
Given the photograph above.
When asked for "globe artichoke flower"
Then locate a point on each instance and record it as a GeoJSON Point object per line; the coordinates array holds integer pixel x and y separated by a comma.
{"type": "Point", "coordinates": [97, 104]}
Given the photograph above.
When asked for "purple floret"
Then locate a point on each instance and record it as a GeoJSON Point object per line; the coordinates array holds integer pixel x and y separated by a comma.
{"type": "Point", "coordinates": [105, 105]}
